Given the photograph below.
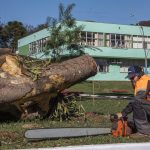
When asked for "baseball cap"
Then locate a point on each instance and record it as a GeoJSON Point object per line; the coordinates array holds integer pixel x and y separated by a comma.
{"type": "Point", "coordinates": [134, 71]}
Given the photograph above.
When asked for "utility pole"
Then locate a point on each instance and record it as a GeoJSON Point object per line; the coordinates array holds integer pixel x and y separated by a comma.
{"type": "Point", "coordinates": [144, 47]}
{"type": "Point", "coordinates": [143, 43]}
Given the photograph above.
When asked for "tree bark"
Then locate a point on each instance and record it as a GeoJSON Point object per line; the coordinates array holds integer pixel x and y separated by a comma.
{"type": "Point", "coordinates": [23, 87]}
{"type": "Point", "coordinates": [5, 51]}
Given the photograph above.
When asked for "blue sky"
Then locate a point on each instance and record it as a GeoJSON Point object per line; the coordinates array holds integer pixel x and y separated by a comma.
{"type": "Point", "coordinates": [34, 12]}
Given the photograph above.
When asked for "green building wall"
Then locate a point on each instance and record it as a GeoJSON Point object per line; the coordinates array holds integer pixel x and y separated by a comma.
{"type": "Point", "coordinates": [24, 50]}
{"type": "Point", "coordinates": [112, 75]}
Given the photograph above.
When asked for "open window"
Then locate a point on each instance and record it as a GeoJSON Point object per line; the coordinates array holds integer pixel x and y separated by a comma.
{"type": "Point", "coordinates": [102, 65]}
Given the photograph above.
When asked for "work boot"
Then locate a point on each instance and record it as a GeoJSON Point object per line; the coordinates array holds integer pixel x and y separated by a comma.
{"type": "Point", "coordinates": [139, 135]}
{"type": "Point", "coordinates": [129, 131]}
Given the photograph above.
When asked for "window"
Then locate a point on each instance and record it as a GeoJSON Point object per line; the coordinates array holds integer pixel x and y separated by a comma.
{"type": "Point", "coordinates": [115, 61]}
{"type": "Point", "coordinates": [137, 41]}
{"type": "Point", "coordinates": [98, 39]}
{"type": "Point", "coordinates": [92, 39]}
{"type": "Point", "coordinates": [124, 69]}
{"type": "Point", "coordinates": [128, 62]}
{"type": "Point", "coordinates": [141, 42]}
{"type": "Point", "coordinates": [102, 68]}
{"type": "Point", "coordinates": [107, 40]}
{"type": "Point", "coordinates": [83, 38]}
{"type": "Point", "coordinates": [117, 40]}
{"type": "Point", "coordinates": [146, 42]}
{"type": "Point", "coordinates": [37, 46]}
{"type": "Point", "coordinates": [114, 40]}
{"type": "Point", "coordinates": [127, 41]}
{"type": "Point", "coordinates": [102, 65]}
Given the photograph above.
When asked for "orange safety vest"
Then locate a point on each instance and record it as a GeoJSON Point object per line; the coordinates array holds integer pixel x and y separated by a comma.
{"type": "Point", "coordinates": [141, 85]}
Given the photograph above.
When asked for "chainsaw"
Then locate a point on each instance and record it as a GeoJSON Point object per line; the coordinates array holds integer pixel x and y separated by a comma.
{"type": "Point", "coordinates": [119, 128]}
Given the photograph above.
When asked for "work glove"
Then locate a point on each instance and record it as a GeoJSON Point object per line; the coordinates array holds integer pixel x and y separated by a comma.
{"type": "Point", "coordinates": [119, 114]}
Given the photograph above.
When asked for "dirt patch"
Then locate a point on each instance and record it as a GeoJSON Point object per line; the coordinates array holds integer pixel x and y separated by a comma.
{"type": "Point", "coordinates": [31, 126]}
{"type": "Point", "coordinates": [8, 135]}
{"type": "Point", "coordinates": [95, 117]}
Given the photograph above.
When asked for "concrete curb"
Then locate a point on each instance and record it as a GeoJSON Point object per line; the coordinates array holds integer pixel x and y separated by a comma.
{"type": "Point", "coordinates": [119, 146]}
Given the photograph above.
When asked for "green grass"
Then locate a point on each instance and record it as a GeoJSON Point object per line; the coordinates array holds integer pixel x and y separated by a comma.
{"type": "Point", "coordinates": [101, 109]}
{"type": "Point", "coordinates": [102, 87]}
{"type": "Point", "coordinates": [104, 107]}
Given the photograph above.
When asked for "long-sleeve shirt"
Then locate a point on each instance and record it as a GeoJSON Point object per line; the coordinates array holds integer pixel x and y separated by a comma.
{"type": "Point", "coordinates": [139, 98]}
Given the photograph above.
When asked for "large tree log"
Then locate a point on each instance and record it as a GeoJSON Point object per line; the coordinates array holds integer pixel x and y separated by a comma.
{"type": "Point", "coordinates": [23, 87]}
{"type": "Point", "coordinates": [3, 52]}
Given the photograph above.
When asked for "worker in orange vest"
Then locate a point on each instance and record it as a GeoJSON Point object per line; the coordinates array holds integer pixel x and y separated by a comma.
{"type": "Point", "coordinates": [140, 105]}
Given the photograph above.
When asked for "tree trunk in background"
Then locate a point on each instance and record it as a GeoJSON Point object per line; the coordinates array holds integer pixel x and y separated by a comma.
{"type": "Point", "coordinates": [31, 89]}
{"type": "Point", "coordinates": [5, 51]}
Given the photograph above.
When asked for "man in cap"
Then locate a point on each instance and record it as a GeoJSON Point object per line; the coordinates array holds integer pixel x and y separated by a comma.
{"type": "Point", "coordinates": [140, 105]}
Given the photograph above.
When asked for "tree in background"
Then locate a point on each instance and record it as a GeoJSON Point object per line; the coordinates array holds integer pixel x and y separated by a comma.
{"type": "Point", "coordinates": [31, 29]}
{"type": "Point", "coordinates": [3, 36]}
{"type": "Point", "coordinates": [13, 31]}
{"type": "Point", "coordinates": [64, 33]}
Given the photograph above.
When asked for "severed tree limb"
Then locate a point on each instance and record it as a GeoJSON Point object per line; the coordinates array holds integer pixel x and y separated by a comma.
{"type": "Point", "coordinates": [20, 89]}
{"type": "Point", "coordinates": [3, 52]}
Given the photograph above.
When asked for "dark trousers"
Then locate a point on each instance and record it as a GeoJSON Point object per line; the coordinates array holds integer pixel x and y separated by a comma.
{"type": "Point", "coordinates": [141, 117]}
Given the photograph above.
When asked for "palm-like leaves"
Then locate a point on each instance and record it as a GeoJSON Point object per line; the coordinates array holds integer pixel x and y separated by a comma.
{"type": "Point", "coordinates": [64, 34]}
{"type": "Point", "coordinates": [51, 22]}
{"type": "Point", "coordinates": [65, 15]}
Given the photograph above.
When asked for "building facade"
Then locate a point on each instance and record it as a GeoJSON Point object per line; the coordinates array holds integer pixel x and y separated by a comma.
{"type": "Point", "coordinates": [118, 47]}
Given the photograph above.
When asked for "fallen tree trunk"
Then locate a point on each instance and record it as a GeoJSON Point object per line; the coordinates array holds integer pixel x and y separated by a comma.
{"type": "Point", "coordinates": [28, 87]}
{"type": "Point", "coordinates": [3, 52]}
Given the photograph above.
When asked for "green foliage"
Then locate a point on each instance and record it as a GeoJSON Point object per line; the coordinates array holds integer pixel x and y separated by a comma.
{"type": "Point", "coordinates": [11, 32]}
{"type": "Point", "coordinates": [64, 33]}
{"type": "Point", "coordinates": [66, 107]}
{"type": "Point", "coordinates": [3, 36]}
{"type": "Point", "coordinates": [33, 67]}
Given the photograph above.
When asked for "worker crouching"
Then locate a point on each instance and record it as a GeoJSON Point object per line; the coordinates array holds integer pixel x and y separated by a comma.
{"type": "Point", "coordinates": [140, 105]}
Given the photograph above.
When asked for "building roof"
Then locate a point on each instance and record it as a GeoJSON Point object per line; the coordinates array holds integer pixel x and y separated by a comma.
{"type": "Point", "coordinates": [114, 28]}
{"type": "Point", "coordinates": [92, 27]}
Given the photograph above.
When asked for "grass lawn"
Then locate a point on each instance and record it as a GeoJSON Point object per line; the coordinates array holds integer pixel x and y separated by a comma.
{"type": "Point", "coordinates": [97, 115]}
{"type": "Point", "coordinates": [102, 87]}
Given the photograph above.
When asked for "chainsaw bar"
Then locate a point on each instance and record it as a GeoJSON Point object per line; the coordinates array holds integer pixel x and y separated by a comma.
{"type": "Point", "coordinates": [54, 133]}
